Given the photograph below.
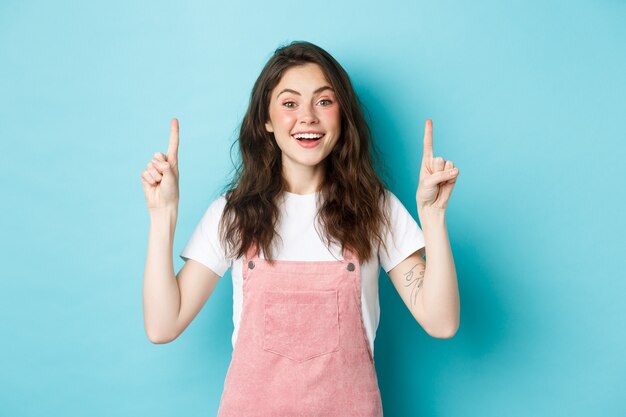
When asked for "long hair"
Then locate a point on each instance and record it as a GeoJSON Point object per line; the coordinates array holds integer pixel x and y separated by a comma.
{"type": "Point", "coordinates": [351, 200]}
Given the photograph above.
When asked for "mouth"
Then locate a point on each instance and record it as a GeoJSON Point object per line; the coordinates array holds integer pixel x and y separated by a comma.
{"type": "Point", "coordinates": [308, 140]}
{"type": "Point", "coordinates": [308, 137]}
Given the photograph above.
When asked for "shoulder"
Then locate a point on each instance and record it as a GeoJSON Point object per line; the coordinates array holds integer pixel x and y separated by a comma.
{"type": "Point", "coordinates": [216, 207]}
{"type": "Point", "coordinates": [213, 214]}
{"type": "Point", "coordinates": [392, 199]}
{"type": "Point", "coordinates": [404, 238]}
{"type": "Point", "coordinates": [393, 205]}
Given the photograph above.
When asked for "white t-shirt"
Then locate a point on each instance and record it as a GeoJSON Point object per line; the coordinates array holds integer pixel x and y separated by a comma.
{"type": "Point", "coordinates": [300, 242]}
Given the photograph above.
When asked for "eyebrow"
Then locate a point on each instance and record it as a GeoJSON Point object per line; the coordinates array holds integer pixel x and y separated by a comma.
{"type": "Point", "coordinates": [289, 90]}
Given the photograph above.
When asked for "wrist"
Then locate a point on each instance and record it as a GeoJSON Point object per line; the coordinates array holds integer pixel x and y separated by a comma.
{"type": "Point", "coordinates": [161, 214]}
{"type": "Point", "coordinates": [432, 216]}
{"type": "Point", "coordinates": [163, 222]}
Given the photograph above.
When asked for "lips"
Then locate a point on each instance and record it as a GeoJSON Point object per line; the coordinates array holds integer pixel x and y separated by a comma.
{"type": "Point", "coordinates": [308, 136]}
{"type": "Point", "coordinates": [309, 143]}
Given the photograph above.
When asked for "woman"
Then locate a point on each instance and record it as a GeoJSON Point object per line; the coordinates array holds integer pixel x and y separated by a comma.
{"type": "Point", "coordinates": [306, 190]}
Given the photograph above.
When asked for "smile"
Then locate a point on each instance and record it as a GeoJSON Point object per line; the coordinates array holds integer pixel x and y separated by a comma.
{"type": "Point", "coordinates": [308, 140]}
{"type": "Point", "coordinates": [308, 136]}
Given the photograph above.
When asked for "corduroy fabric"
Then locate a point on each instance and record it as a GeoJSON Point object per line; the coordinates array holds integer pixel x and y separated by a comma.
{"type": "Point", "coordinates": [301, 350]}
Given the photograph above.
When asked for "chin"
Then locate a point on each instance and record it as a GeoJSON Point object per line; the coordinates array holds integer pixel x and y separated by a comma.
{"type": "Point", "coordinates": [310, 162]}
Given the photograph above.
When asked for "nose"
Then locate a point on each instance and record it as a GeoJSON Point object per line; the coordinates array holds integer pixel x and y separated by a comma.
{"type": "Point", "coordinates": [308, 114]}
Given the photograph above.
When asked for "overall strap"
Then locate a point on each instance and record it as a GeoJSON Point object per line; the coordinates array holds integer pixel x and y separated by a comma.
{"type": "Point", "coordinates": [348, 255]}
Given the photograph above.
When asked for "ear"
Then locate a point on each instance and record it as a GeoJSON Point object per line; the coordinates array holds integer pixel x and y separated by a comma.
{"type": "Point", "coordinates": [269, 127]}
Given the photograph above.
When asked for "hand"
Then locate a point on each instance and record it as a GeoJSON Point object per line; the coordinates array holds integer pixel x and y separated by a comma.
{"type": "Point", "coordinates": [160, 178]}
{"type": "Point", "coordinates": [437, 176]}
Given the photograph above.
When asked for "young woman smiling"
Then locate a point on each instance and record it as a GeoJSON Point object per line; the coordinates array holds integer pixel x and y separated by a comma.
{"type": "Point", "coordinates": [305, 226]}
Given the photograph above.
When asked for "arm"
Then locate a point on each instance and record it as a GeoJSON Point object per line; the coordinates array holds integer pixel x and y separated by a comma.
{"type": "Point", "coordinates": [440, 291]}
{"type": "Point", "coordinates": [430, 290]}
{"type": "Point", "coordinates": [161, 295]}
{"type": "Point", "coordinates": [171, 302]}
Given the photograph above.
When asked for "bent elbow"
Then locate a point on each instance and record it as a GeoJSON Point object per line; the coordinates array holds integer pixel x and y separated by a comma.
{"type": "Point", "coordinates": [159, 338]}
{"type": "Point", "coordinates": [444, 333]}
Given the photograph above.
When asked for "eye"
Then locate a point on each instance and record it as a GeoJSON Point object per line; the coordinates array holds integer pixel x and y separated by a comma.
{"type": "Point", "coordinates": [289, 104]}
{"type": "Point", "coordinates": [327, 101]}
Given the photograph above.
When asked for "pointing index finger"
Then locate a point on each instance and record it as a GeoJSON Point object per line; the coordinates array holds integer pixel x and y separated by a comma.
{"type": "Point", "coordinates": [172, 150]}
{"type": "Point", "coordinates": [428, 140]}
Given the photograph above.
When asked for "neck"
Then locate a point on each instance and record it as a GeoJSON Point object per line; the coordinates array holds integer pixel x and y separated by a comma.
{"type": "Point", "coordinates": [302, 179]}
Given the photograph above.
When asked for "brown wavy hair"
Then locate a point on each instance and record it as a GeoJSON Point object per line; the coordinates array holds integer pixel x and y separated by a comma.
{"type": "Point", "coordinates": [351, 198]}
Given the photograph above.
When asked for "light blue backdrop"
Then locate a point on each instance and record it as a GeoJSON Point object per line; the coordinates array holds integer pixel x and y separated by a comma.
{"type": "Point", "coordinates": [527, 98]}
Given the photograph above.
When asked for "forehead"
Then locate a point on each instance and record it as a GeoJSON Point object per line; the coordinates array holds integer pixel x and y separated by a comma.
{"type": "Point", "coordinates": [302, 78]}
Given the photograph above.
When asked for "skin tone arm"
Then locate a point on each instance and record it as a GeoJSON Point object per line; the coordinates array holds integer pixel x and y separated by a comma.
{"type": "Point", "coordinates": [170, 302]}
{"type": "Point", "coordinates": [430, 289]}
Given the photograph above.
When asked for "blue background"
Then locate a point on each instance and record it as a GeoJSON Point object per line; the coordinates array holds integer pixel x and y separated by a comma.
{"type": "Point", "coordinates": [527, 99]}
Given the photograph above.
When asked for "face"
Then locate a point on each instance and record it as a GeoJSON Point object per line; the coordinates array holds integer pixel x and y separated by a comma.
{"type": "Point", "coordinates": [302, 108]}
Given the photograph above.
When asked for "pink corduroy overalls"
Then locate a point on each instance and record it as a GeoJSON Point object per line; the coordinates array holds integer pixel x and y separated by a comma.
{"type": "Point", "coordinates": [301, 349]}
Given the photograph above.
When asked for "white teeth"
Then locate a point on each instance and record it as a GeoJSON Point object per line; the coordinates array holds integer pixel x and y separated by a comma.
{"type": "Point", "coordinates": [308, 136]}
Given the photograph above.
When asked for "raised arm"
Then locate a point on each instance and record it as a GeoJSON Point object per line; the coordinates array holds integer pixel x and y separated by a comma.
{"type": "Point", "coordinates": [169, 302]}
{"type": "Point", "coordinates": [430, 289]}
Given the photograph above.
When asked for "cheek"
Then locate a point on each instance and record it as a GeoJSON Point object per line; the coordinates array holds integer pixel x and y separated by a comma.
{"type": "Point", "coordinates": [333, 116]}
{"type": "Point", "coordinates": [285, 119]}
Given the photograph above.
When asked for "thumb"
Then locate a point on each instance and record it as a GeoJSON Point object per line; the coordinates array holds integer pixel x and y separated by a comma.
{"type": "Point", "coordinates": [172, 150]}
{"type": "Point", "coordinates": [448, 186]}
{"type": "Point", "coordinates": [441, 176]}
{"type": "Point", "coordinates": [165, 166]}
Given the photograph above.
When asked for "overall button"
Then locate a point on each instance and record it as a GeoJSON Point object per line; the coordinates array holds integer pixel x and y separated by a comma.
{"type": "Point", "coordinates": [251, 265]}
{"type": "Point", "coordinates": [350, 266]}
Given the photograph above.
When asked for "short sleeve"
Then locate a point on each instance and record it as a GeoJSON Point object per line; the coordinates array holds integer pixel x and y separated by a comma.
{"type": "Point", "coordinates": [404, 238]}
{"type": "Point", "coordinates": [204, 245]}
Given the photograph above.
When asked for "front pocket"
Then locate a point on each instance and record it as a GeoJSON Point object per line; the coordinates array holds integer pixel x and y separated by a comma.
{"type": "Point", "coordinates": [301, 325]}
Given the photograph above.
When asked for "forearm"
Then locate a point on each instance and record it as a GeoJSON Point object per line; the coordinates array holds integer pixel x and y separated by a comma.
{"type": "Point", "coordinates": [161, 295]}
{"type": "Point", "coordinates": [439, 292]}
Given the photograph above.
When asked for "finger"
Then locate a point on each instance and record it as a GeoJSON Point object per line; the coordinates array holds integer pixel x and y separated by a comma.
{"type": "Point", "coordinates": [158, 163]}
{"type": "Point", "coordinates": [144, 182]}
{"type": "Point", "coordinates": [154, 174]}
{"type": "Point", "coordinates": [159, 156]}
{"type": "Point", "coordinates": [161, 167]}
{"type": "Point", "coordinates": [148, 178]}
{"type": "Point", "coordinates": [172, 150]}
{"type": "Point", "coordinates": [428, 140]}
{"type": "Point", "coordinates": [438, 164]}
{"type": "Point", "coordinates": [441, 176]}
{"type": "Point", "coordinates": [445, 192]}
{"type": "Point", "coordinates": [449, 166]}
